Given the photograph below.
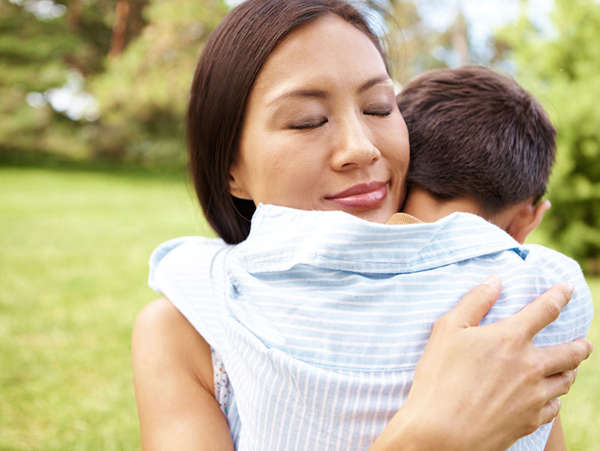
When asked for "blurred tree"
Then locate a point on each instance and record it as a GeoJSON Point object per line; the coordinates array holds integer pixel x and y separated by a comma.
{"type": "Point", "coordinates": [417, 43]}
{"type": "Point", "coordinates": [414, 45]}
{"type": "Point", "coordinates": [128, 22]}
{"type": "Point", "coordinates": [43, 44]}
{"type": "Point", "coordinates": [411, 42]}
{"type": "Point", "coordinates": [561, 67]}
{"type": "Point", "coordinates": [459, 38]}
{"type": "Point", "coordinates": [143, 92]}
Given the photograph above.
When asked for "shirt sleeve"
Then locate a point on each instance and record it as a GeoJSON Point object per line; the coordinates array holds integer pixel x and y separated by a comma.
{"type": "Point", "coordinates": [188, 271]}
{"type": "Point", "coordinates": [576, 317]}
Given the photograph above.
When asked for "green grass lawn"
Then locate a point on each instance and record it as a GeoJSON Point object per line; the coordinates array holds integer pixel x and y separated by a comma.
{"type": "Point", "coordinates": [581, 407]}
{"type": "Point", "coordinates": [73, 267]}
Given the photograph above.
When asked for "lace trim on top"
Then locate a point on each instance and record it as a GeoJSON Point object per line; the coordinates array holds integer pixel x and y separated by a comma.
{"type": "Point", "coordinates": [221, 380]}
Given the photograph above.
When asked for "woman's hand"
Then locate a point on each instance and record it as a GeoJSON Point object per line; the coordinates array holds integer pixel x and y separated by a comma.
{"type": "Point", "coordinates": [484, 387]}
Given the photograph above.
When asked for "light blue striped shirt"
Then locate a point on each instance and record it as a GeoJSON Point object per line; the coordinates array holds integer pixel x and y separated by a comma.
{"type": "Point", "coordinates": [321, 317]}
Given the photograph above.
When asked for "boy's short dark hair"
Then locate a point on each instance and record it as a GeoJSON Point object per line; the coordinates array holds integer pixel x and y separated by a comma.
{"type": "Point", "coordinates": [477, 134]}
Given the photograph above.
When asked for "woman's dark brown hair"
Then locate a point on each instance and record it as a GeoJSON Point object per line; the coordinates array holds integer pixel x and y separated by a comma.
{"type": "Point", "coordinates": [232, 59]}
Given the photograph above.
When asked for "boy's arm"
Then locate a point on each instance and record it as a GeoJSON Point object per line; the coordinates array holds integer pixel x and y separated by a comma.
{"type": "Point", "coordinates": [556, 440]}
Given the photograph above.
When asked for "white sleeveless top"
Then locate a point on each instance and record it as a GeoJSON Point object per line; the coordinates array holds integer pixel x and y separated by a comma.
{"type": "Point", "coordinates": [321, 317]}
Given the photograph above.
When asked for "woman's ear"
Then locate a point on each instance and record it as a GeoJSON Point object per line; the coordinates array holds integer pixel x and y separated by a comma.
{"type": "Point", "coordinates": [235, 187]}
{"type": "Point", "coordinates": [526, 218]}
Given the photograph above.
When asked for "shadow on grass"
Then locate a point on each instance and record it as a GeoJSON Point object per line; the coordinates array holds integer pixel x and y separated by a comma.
{"type": "Point", "coordinates": [23, 158]}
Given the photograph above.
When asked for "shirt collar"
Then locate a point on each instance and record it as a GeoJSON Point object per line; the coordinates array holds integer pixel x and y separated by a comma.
{"type": "Point", "coordinates": [281, 238]}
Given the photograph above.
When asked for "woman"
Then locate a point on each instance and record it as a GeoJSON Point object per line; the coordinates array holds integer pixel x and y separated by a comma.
{"type": "Point", "coordinates": [292, 105]}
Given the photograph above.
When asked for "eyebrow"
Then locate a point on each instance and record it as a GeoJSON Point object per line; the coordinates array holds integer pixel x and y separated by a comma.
{"type": "Point", "coordinates": [320, 94]}
{"type": "Point", "coordinates": [374, 81]}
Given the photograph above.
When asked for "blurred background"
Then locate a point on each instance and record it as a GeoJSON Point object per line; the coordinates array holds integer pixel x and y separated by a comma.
{"type": "Point", "coordinates": [92, 178]}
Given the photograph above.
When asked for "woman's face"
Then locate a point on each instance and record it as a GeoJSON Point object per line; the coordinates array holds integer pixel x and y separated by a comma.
{"type": "Point", "coordinates": [322, 130]}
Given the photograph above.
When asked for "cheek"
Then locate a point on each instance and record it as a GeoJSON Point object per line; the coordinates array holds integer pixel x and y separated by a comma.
{"type": "Point", "coordinates": [262, 157]}
{"type": "Point", "coordinates": [286, 171]}
{"type": "Point", "coordinates": [298, 152]}
{"type": "Point", "coordinates": [395, 146]}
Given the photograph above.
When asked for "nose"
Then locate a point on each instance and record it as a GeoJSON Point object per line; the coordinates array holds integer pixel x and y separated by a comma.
{"type": "Point", "coordinates": [353, 148]}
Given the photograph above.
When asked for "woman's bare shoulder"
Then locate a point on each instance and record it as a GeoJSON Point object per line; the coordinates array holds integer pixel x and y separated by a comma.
{"type": "Point", "coordinates": [172, 371]}
{"type": "Point", "coordinates": [163, 339]}
{"type": "Point", "coordinates": [158, 313]}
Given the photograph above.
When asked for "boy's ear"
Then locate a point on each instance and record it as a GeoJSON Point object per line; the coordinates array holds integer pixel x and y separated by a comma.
{"type": "Point", "coordinates": [526, 218]}
{"type": "Point", "coordinates": [236, 189]}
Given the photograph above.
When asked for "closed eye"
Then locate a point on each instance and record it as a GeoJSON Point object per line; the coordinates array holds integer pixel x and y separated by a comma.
{"type": "Point", "coordinates": [308, 124]}
{"type": "Point", "coordinates": [381, 113]}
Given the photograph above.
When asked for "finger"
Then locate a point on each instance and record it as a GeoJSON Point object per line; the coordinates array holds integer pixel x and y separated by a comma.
{"type": "Point", "coordinates": [471, 309]}
{"type": "Point", "coordinates": [550, 411]}
{"type": "Point", "coordinates": [558, 384]}
{"type": "Point", "coordinates": [541, 312]}
{"type": "Point", "coordinates": [564, 357]}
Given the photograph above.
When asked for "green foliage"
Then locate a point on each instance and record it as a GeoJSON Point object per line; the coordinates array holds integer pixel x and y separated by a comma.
{"type": "Point", "coordinates": [562, 69]}
{"type": "Point", "coordinates": [143, 92]}
{"type": "Point", "coordinates": [37, 54]}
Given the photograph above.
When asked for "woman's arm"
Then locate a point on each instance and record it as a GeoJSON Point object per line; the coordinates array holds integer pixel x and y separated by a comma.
{"type": "Point", "coordinates": [172, 368]}
{"type": "Point", "coordinates": [484, 387]}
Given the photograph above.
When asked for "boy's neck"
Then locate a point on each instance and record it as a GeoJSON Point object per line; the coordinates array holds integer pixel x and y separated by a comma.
{"type": "Point", "coordinates": [422, 205]}
{"type": "Point", "coordinates": [518, 220]}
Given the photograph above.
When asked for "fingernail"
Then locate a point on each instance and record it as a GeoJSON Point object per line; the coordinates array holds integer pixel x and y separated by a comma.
{"type": "Point", "coordinates": [493, 281]}
{"type": "Point", "coordinates": [570, 289]}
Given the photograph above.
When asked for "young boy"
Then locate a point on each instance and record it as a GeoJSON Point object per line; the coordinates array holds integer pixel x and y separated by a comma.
{"type": "Point", "coordinates": [499, 153]}
{"type": "Point", "coordinates": [479, 144]}
{"type": "Point", "coordinates": [329, 362]}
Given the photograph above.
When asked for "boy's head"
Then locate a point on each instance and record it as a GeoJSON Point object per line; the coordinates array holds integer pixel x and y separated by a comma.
{"type": "Point", "coordinates": [477, 138]}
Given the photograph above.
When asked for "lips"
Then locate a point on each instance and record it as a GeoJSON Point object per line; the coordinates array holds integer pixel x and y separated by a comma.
{"type": "Point", "coordinates": [363, 195]}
